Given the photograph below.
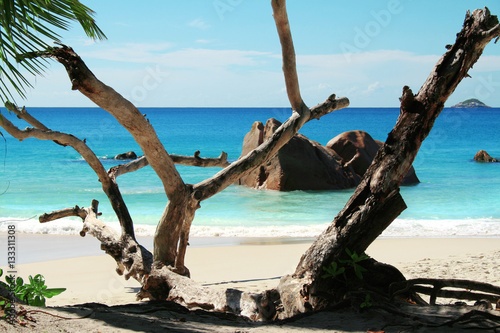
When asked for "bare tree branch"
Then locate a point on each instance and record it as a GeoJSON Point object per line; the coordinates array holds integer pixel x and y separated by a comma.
{"type": "Point", "coordinates": [195, 160]}
{"type": "Point", "coordinates": [109, 187]}
{"type": "Point", "coordinates": [288, 54]}
{"type": "Point", "coordinates": [59, 214]}
{"type": "Point", "coordinates": [83, 80]}
{"type": "Point", "coordinates": [65, 139]}
{"type": "Point", "coordinates": [262, 153]}
{"type": "Point", "coordinates": [23, 114]}
{"type": "Point", "coordinates": [198, 161]}
{"type": "Point", "coordinates": [376, 201]}
{"type": "Point", "coordinates": [288, 129]}
{"type": "Point", "coordinates": [330, 105]}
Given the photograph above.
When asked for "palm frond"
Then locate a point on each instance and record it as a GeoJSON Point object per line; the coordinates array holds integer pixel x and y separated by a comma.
{"type": "Point", "coordinates": [24, 27]}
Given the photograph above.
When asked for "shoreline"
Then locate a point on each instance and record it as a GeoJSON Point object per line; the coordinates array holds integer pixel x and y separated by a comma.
{"type": "Point", "coordinates": [33, 248]}
{"type": "Point", "coordinates": [247, 264]}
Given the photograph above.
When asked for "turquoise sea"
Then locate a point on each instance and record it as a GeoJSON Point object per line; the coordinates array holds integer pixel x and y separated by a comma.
{"type": "Point", "coordinates": [456, 196]}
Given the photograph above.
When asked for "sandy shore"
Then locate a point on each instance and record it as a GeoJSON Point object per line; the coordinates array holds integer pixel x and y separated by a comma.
{"type": "Point", "coordinates": [251, 264]}
{"type": "Point", "coordinates": [248, 264]}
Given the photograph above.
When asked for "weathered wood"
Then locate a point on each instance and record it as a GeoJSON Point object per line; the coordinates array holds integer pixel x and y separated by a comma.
{"type": "Point", "coordinates": [132, 259]}
{"type": "Point", "coordinates": [162, 282]}
{"type": "Point", "coordinates": [83, 80]}
{"type": "Point", "coordinates": [109, 186]}
{"type": "Point", "coordinates": [59, 214]}
{"type": "Point", "coordinates": [23, 114]}
{"type": "Point", "coordinates": [288, 55]}
{"type": "Point", "coordinates": [195, 160]}
{"type": "Point", "coordinates": [490, 292]}
{"type": "Point", "coordinates": [373, 206]}
{"type": "Point", "coordinates": [376, 201]}
{"type": "Point", "coordinates": [206, 162]}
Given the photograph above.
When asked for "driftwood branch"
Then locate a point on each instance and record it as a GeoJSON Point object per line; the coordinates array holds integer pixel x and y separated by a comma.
{"type": "Point", "coordinates": [262, 153]}
{"type": "Point", "coordinates": [23, 114]}
{"type": "Point", "coordinates": [62, 213]}
{"type": "Point", "coordinates": [161, 282]}
{"type": "Point", "coordinates": [490, 292]}
{"type": "Point", "coordinates": [108, 185]}
{"type": "Point", "coordinates": [376, 201]}
{"type": "Point", "coordinates": [194, 160]}
{"type": "Point", "coordinates": [288, 54]}
{"type": "Point", "coordinates": [63, 138]}
{"type": "Point", "coordinates": [83, 80]}
{"type": "Point", "coordinates": [198, 161]}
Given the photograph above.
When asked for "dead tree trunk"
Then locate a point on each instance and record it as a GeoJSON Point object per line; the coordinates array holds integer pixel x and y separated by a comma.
{"type": "Point", "coordinates": [376, 201]}
{"type": "Point", "coordinates": [373, 206]}
{"type": "Point", "coordinates": [172, 233]}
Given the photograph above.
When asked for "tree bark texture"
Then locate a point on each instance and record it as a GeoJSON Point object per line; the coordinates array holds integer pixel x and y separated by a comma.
{"type": "Point", "coordinates": [376, 201]}
{"type": "Point", "coordinates": [374, 205]}
{"type": "Point", "coordinates": [109, 186]}
{"type": "Point", "coordinates": [184, 199]}
{"type": "Point", "coordinates": [172, 233]}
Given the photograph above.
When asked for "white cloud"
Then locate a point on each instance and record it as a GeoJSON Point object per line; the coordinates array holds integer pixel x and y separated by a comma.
{"type": "Point", "coordinates": [208, 77]}
{"type": "Point", "coordinates": [371, 88]}
{"type": "Point", "coordinates": [207, 58]}
{"type": "Point", "coordinates": [487, 63]}
{"type": "Point", "coordinates": [199, 23]}
{"type": "Point", "coordinates": [184, 58]}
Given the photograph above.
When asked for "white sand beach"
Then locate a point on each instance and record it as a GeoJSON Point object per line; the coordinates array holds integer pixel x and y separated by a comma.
{"type": "Point", "coordinates": [254, 264]}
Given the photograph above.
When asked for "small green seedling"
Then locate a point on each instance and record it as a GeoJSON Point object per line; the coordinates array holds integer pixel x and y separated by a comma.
{"type": "Point", "coordinates": [367, 303]}
{"type": "Point", "coordinates": [333, 270]}
{"type": "Point", "coordinates": [33, 293]}
{"type": "Point", "coordinates": [354, 261]}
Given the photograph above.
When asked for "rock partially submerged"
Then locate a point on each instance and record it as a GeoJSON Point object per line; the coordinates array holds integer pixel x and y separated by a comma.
{"type": "Point", "coordinates": [483, 156]}
{"type": "Point", "coordinates": [358, 149]}
{"type": "Point", "coordinates": [130, 155]}
{"type": "Point", "coordinates": [303, 164]}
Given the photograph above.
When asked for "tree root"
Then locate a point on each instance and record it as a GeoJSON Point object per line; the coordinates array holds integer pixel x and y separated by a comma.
{"type": "Point", "coordinates": [491, 292]}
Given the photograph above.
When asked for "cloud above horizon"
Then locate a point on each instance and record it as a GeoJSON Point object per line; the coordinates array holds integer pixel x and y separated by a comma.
{"type": "Point", "coordinates": [204, 76]}
{"type": "Point", "coordinates": [199, 23]}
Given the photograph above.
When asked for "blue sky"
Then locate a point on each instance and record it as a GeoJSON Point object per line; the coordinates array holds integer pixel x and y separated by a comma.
{"type": "Point", "coordinates": [211, 53]}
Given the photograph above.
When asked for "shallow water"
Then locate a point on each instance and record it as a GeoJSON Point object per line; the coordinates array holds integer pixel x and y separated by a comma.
{"type": "Point", "coordinates": [456, 196]}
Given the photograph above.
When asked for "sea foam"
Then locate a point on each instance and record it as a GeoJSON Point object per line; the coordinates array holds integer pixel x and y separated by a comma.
{"type": "Point", "coordinates": [400, 228]}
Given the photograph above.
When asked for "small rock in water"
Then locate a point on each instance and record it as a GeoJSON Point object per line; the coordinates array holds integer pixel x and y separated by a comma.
{"type": "Point", "coordinates": [126, 156]}
{"type": "Point", "coordinates": [483, 156]}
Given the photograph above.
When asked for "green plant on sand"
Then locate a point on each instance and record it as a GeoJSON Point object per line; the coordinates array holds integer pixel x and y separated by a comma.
{"type": "Point", "coordinates": [33, 293]}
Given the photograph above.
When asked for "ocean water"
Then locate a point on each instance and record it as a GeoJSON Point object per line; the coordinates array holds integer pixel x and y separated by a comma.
{"type": "Point", "coordinates": [456, 196]}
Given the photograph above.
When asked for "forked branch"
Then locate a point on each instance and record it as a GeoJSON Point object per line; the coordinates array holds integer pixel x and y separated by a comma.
{"type": "Point", "coordinates": [376, 202]}
{"type": "Point", "coordinates": [194, 160]}
{"type": "Point", "coordinates": [288, 129]}
{"type": "Point", "coordinates": [83, 80]}
{"type": "Point", "coordinates": [109, 186]}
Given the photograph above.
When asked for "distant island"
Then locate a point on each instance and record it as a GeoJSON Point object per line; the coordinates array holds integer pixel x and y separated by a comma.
{"type": "Point", "coordinates": [471, 103]}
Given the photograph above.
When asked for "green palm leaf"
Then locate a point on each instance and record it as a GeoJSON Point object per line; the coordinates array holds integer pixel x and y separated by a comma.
{"type": "Point", "coordinates": [25, 25]}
